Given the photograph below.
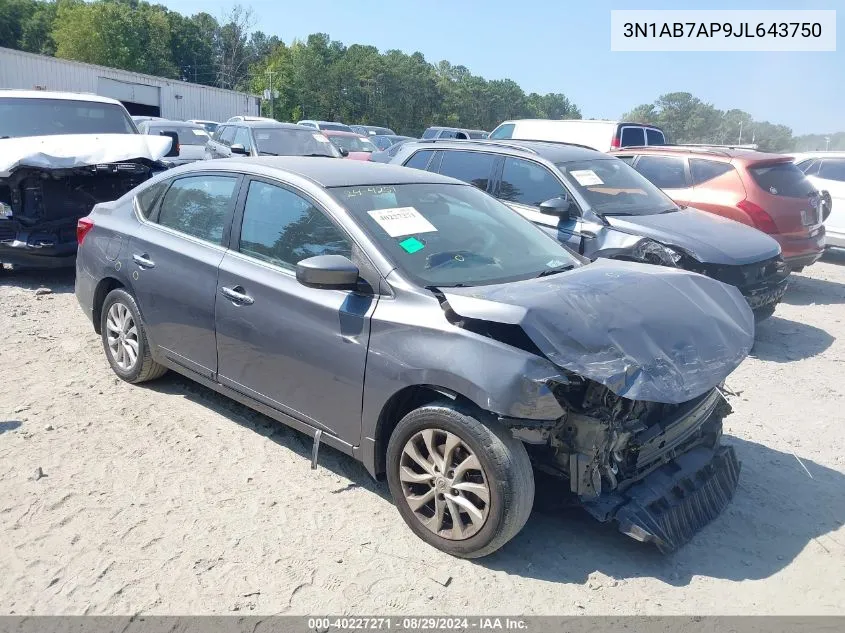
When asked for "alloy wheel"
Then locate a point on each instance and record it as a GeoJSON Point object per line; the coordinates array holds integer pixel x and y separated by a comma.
{"type": "Point", "coordinates": [122, 336]}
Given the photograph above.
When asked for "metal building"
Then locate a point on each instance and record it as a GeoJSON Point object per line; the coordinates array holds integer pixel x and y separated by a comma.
{"type": "Point", "coordinates": [141, 94]}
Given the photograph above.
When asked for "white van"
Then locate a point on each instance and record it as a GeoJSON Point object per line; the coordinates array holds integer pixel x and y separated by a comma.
{"type": "Point", "coordinates": [601, 135]}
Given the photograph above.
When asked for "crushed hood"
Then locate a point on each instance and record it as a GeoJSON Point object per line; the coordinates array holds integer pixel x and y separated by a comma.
{"type": "Point", "coordinates": [78, 150]}
{"type": "Point", "coordinates": [707, 237]}
{"type": "Point", "coordinates": [645, 332]}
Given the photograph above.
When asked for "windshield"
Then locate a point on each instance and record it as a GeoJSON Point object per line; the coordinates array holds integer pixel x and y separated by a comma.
{"type": "Point", "coordinates": [48, 117]}
{"type": "Point", "coordinates": [187, 135]}
{"type": "Point", "coordinates": [452, 235]}
{"type": "Point", "coordinates": [292, 142]}
{"type": "Point", "coordinates": [353, 143]}
{"type": "Point", "coordinates": [612, 187]}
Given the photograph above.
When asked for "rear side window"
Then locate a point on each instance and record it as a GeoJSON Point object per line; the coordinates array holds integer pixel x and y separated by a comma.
{"type": "Point", "coordinates": [283, 228]}
{"type": "Point", "coordinates": [781, 179]}
{"type": "Point", "coordinates": [199, 206]}
{"type": "Point", "coordinates": [148, 198]}
{"type": "Point", "coordinates": [632, 137]}
{"type": "Point", "coordinates": [526, 182]}
{"type": "Point", "coordinates": [503, 131]}
{"type": "Point", "coordinates": [447, 134]}
{"type": "Point", "coordinates": [704, 170]}
{"type": "Point", "coordinates": [833, 169]}
{"type": "Point", "coordinates": [420, 159]}
{"type": "Point", "coordinates": [471, 167]}
{"type": "Point", "coordinates": [655, 137]}
{"type": "Point", "coordinates": [810, 167]}
{"type": "Point", "coordinates": [430, 133]}
{"type": "Point", "coordinates": [667, 172]}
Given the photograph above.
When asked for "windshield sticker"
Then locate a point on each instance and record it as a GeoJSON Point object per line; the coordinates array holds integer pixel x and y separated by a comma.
{"type": "Point", "coordinates": [412, 245]}
{"type": "Point", "coordinates": [199, 132]}
{"type": "Point", "coordinates": [402, 221]}
{"type": "Point", "coordinates": [586, 177]}
{"type": "Point", "coordinates": [555, 263]}
{"type": "Point", "coordinates": [375, 191]}
{"type": "Point", "coordinates": [320, 138]}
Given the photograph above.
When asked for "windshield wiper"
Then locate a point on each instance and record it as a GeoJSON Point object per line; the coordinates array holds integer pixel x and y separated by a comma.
{"type": "Point", "coordinates": [2, 137]}
{"type": "Point", "coordinates": [318, 155]}
{"type": "Point", "coordinates": [556, 270]}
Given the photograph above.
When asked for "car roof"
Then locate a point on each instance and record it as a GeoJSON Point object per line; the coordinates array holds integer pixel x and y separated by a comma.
{"type": "Point", "coordinates": [264, 124]}
{"type": "Point", "coordinates": [714, 152]}
{"type": "Point", "coordinates": [69, 96]}
{"type": "Point", "coordinates": [171, 123]}
{"type": "Point", "coordinates": [550, 150]}
{"type": "Point", "coordinates": [328, 172]}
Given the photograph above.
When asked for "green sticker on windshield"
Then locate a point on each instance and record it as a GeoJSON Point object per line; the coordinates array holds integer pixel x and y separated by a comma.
{"type": "Point", "coordinates": [412, 245]}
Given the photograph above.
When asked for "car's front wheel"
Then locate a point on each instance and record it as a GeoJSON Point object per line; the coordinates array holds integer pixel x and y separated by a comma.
{"type": "Point", "coordinates": [125, 339]}
{"type": "Point", "coordinates": [461, 484]}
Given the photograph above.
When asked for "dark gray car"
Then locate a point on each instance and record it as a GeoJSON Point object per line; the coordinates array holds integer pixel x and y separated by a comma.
{"type": "Point", "coordinates": [601, 207]}
{"type": "Point", "coordinates": [419, 325]}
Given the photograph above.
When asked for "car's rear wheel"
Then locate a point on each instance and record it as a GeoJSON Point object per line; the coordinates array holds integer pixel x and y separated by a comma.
{"type": "Point", "coordinates": [125, 339]}
{"type": "Point", "coordinates": [761, 314]}
{"type": "Point", "coordinates": [461, 484]}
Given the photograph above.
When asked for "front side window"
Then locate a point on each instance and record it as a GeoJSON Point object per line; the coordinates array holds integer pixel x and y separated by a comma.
{"type": "Point", "coordinates": [612, 187]}
{"type": "Point", "coordinates": [703, 170]}
{"type": "Point", "coordinates": [48, 117]}
{"type": "Point", "coordinates": [199, 206]}
{"type": "Point", "coordinates": [227, 135]}
{"type": "Point", "coordinates": [283, 228]}
{"type": "Point", "coordinates": [667, 172]}
{"type": "Point", "coordinates": [503, 131]}
{"type": "Point", "coordinates": [527, 182]}
{"type": "Point", "coordinates": [242, 138]}
{"type": "Point", "coordinates": [449, 235]}
{"type": "Point", "coordinates": [833, 169]}
{"type": "Point", "coordinates": [430, 133]}
{"type": "Point", "coordinates": [471, 167]}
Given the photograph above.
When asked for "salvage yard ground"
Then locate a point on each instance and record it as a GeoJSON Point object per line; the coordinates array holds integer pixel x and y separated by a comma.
{"type": "Point", "coordinates": [167, 498]}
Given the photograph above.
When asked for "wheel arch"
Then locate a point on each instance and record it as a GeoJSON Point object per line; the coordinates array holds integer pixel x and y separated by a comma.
{"type": "Point", "coordinates": [104, 287]}
{"type": "Point", "coordinates": [403, 402]}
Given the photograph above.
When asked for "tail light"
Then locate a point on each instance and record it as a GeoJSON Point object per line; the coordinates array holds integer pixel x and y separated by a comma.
{"type": "Point", "coordinates": [759, 217]}
{"type": "Point", "coordinates": [83, 225]}
{"type": "Point", "coordinates": [615, 143]}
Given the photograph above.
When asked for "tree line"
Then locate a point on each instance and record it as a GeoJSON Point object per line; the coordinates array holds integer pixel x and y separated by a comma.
{"type": "Point", "coordinates": [320, 78]}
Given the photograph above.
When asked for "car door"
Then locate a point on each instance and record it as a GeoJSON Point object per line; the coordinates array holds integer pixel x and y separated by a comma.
{"type": "Point", "coordinates": [831, 177]}
{"type": "Point", "coordinates": [174, 259]}
{"type": "Point", "coordinates": [476, 168]}
{"type": "Point", "coordinates": [524, 185]}
{"type": "Point", "coordinates": [221, 150]}
{"type": "Point", "coordinates": [669, 173]}
{"type": "Point", "coordinates": [717, 188]}
{"type": "Point", "coordinates": [298, 349]}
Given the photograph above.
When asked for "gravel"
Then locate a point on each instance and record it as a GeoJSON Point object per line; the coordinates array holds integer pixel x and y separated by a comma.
{"type": "Point", "coordinates": [147, 508]}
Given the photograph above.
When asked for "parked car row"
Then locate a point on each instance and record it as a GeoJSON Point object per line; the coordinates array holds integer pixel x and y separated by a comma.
{"type": "Point", "coordinates": [474, 311]}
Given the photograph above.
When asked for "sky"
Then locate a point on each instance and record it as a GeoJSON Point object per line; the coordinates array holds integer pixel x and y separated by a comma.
{"type": "Point", "coordinates": [564, 46]}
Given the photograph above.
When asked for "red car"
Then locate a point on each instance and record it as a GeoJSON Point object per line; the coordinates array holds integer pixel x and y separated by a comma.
{"type": "Point", "coordinates": [766, 191]}
{"type": "Point", "coordinates": [351, 145]}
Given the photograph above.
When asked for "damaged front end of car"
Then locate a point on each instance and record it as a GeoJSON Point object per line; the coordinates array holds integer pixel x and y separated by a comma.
{"type": "Point", "coordinates": [643, 353]}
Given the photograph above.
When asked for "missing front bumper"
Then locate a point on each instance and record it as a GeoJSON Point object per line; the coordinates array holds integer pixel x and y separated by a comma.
{"type": "Point", "coordinates": [670, 505]}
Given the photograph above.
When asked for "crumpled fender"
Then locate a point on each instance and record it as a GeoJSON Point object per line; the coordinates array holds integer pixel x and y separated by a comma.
{"type": "Point", "coordinates": [645, 332]}
{"type": "Point", "coordinates": [78, 150]}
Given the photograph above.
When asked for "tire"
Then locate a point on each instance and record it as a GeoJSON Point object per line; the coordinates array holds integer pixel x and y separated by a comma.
{"type": "Point", "coordinates": [143, 367]}
{"type": "Point", "coordinates": [504, 467]}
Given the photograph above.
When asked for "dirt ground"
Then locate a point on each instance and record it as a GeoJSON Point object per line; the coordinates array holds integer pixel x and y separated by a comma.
{"type": "Point", "coordinates": [168, 498]}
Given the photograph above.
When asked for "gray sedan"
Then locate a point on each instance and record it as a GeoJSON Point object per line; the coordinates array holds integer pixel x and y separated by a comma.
{"type": "Point", "coordinates": [419, 325]}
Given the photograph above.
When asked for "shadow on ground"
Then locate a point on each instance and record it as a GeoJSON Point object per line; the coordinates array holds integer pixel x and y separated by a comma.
{"type": "Point", "coordinates": [778, 510]}
{"type": "Point", "coordinates": [834, 256]}
{"type": "Point", "coordinates": [783, 341]}
{"type": "Point", "coordinates": [59, 280]}
{"type": "Point", "coordinates": [804, 290]}
{"type": "Point", "coordinates": [9, 425]}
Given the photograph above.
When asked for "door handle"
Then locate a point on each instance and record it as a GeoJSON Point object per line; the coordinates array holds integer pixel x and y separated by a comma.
{"type": "Point", "coordinates": [143, 261]}
{"type": "Point", "coordinates": [237, 295]}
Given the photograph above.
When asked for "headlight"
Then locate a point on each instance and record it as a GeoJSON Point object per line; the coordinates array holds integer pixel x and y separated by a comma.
{"type": "Point", "coordinates": [652, 252]}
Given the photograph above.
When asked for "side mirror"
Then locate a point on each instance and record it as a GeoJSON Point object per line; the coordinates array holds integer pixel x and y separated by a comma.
{"type": "Point", "coordinates": [237, 148]}
{"type": "Point", "coordinates": [327, 271]}
{"type": "Point", "coordinates": [562, 206]}
{"type": "Point", "coordinates": [343, 151]}
{"type": "Point", "coordinates": [174, 144]}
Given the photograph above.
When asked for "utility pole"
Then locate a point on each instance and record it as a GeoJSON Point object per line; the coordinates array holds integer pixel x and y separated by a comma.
{"type": "Point", "coordinates": [740, 132]}
{"type": "Point", "coordinates": [272, 100]}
